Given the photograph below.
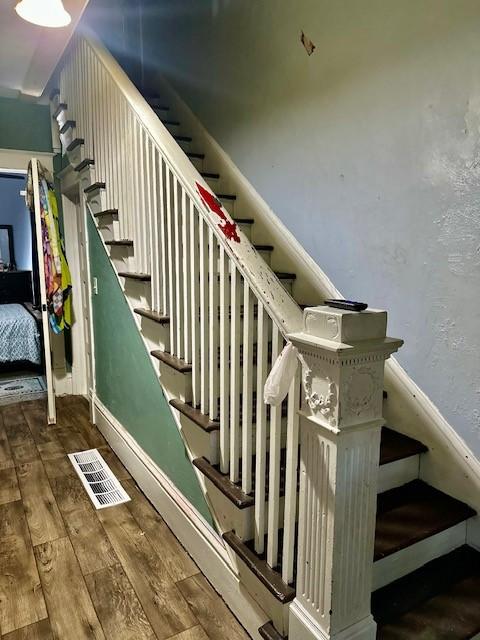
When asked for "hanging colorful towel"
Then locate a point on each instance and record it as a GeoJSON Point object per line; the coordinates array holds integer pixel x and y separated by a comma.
{"type": "Point", "coordinates": [57, 273]}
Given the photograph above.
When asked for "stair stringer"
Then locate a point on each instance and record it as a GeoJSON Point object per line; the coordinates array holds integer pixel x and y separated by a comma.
{"type": "Point", "coordinates": [450, 465]}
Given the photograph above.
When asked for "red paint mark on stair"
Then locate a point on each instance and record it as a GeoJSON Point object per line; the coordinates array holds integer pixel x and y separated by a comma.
{"type": "Point", "coordinates": [229, 229]}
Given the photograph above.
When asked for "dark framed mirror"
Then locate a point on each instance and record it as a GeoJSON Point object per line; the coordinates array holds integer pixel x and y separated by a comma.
{"type": "Point", "coordinates": [7, 254]}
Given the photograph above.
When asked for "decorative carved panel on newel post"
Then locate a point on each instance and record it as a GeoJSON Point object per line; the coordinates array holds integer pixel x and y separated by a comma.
{"type": "Point", "coordinates": [343, 357]}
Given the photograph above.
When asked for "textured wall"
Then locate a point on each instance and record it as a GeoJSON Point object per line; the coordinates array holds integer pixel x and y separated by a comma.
{"type": "Point", "coordinates": [13, 211]}
{"type": "Point", "coordinates": [368, 150]}
{"type": "Point", "coordinates": [127, 383]}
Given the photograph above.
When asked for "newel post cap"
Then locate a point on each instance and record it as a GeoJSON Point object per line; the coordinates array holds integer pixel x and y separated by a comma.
{"type": "Point", "coordinates": [343, 332]}
{"type": "Point", "coordinates": [343, 355]}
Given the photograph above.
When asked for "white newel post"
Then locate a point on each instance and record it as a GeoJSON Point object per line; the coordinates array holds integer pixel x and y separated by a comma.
{"type": "Point", "coordinates": [343, 357]}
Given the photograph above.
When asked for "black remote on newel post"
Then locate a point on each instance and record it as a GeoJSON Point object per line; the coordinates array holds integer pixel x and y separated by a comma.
{"type": "Point", "coordinates": [349, 305]}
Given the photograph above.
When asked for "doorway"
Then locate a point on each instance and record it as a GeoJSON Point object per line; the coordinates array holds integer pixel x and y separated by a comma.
{"type": "Point", "coordinates": [22, 361]}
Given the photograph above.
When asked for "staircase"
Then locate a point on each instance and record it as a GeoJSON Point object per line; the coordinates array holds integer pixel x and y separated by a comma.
{"type": "Point", "coordinates": [215, 306]}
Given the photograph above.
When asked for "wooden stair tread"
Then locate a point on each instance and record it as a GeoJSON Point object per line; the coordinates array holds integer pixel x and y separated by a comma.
{"type": "Point", "coordinates": [172, 361]}
{"type": "Point", "coordinates": [94, 187]}
{"type": "Point", "coordinates": [243, 220]}
{"type": "Point", "coordinates": [182, 138]}
{"type": "Point", "coordinates": [226, 196]}
{"type": "Point", "coordinates": [107, 212]}
{"type": "Point", "coordinates": [143, 277]}
{"type": "Point", "coordinates": [152, 315]}
{"type": "Point", "coordinates": [283, 275]}
{"type": "Point", "coordinates": [268, 632]}
{"type": "Point", "coordinates": [119, 243]}
{"type": "Point", "coordinates": [224, 484]}
{"type": "Point", "coordinates": [439, 601]}
{"type": "Point", "coordinates": [61, 107]}
{"type": "Point", "coordinates": [75, 143]}
{"type": "Point", "coordinates": [209, 174]}
{"type": "Point", "coordinates": [173, 123]}
{"type": "Point", "coordinates": [86, 162]}
{"type": "Point", "coordinates": [414, 512]}
{"type": "Point", "coordinates": [69, 124]}
{"type": "Point", "coordinates": [267, 576]}
{"type": "Point", "coordinates": [196, 416]}
{"type": "Point", "coordinates": [264, 247]}
{"type": "Point", "coordinates": [396, 446]}
{"type": "Point", "coordinates": [197, 156]}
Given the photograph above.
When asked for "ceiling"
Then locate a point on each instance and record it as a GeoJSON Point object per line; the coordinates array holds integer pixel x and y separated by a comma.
{"type": "Point", "coordinates": [28, 53]}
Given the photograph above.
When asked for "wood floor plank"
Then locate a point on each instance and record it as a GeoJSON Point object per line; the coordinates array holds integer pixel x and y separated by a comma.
{"type": "Point", "coordinates": [114, 463]}
{"type": "Point", "coordinates": [21, 596]}
{"type": "Point", "coordinates": [38, 631]}
{"type": "Point", "coordinates": [210, 610]}
{"type": "Point", "coordinates": [117, 605]}
{"type": "Point", "coordinates": [179, 564]}
{"type": "Point", "coordinates": [70, 608]}
{"type": "Point", "coordinates": [9, 491]}
{"type": "Point", "coordinates": [162, 602]}
{"type": "Point", "coordinates": [57, 467]}
{"type": "Point", "coordinates": [71, 439]}
{"type": "Point", "coordinates": [195, 633]}
{"type": "Point", "coordinates": [90, 542]}
{"type": "Point", "coordinates": [43, 516]}
{"type": "Point", "coordinates": [6, 459]}
{"type": "Point", "coordinates": [36, 418]}
{"type": "Point", "coordinates": [22, 444]}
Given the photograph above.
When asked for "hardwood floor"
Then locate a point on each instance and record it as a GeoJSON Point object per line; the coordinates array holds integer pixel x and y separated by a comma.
{"type": "Point", "coordinates": [70, 572]}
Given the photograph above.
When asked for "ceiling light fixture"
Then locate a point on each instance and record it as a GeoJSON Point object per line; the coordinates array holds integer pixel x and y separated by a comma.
{"type": "Point", "coordinates": [45, 13]}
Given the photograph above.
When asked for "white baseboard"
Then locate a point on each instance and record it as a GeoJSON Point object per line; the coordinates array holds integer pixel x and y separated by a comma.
{"type": "Point", "coordinates": [201, 541]}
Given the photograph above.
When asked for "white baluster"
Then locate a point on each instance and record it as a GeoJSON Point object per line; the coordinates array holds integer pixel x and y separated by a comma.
{"type": "Point", "coordinates": [195, 303]}
{"type": "Point", "coordinates": [274, 466]}
{"type": "Point", "coordinates": [236, 332]}
{"type": "Point", "coordinates": [204, 345]}
{"type": "Point", "coordinates": [261, 428]}
{"type": "Point", "coordinates": [213, 337]}
{"type": "Point", "coordinates": [247, 388]}
{"type": "Point", "coordinates": [224, 362]}
{"type": "Point", "coordinates": [291, 481]}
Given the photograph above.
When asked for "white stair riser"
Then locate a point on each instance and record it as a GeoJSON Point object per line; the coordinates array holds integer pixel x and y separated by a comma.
{"type": "Point", "coordinates": [416, 555]}
{"type": "Point", "coordinates": [108, 227]}
{"type": "Point", "coordinates": [87, 178]}
{"type": "Point", "coordinates": [137, 292]}
{"type": "Point", "coordinates": [266, 256]}
{"type": "Point", "coordinates": [62, 118]}
{"type": "Point", "coordinates": [231, 517]}
{"type": "Point", "coordinates": [96, 199]}
{"type": "Point", "coordinates": [122, 257]}
{"type": "Point", "coordinates": [246, 229]}
{"type": "Point", "coordinates": [67, 138]}
{"type": "Point", "coordinates": [76, 156]}
{"type": "Point", "coordinates": [229, 205]}
{"type": "Point", "coordinates": [178, 385]}
{"type": "Point", "coordinates": [398, 473]}
{"type": "Point", "coordinates": [277, 611]}
{"type": "Point", "coordinates": [202, 444]}
{"type": "Point", "coordinates": [156, 336]}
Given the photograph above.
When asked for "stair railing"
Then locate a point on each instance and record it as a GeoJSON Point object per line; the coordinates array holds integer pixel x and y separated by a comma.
{"type": "Point", "coordinates": [229, 318]}
{"type": "Point", "coordinates": [228, 311]}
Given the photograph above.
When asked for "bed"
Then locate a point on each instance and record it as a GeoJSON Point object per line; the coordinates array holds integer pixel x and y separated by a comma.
{"type": "Point", "coordinates": [20, 337]}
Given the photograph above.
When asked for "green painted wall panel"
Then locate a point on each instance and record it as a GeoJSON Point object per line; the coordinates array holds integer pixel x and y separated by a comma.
{"type": "Point", "coordinates": [127, 383]}
{"type": "Point", "coordinates": [25, 125]}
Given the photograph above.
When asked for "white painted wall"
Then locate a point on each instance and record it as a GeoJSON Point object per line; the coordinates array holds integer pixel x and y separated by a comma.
{"type": "Point", "coordinates": [369, 151]}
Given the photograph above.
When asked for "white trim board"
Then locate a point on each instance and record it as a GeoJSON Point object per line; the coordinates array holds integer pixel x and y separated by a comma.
{"type": "Point", "coordinates": [204, 545]}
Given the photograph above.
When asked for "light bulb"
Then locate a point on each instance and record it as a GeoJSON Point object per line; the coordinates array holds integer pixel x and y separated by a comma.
{"type": "Point", "coordinates": [45, 13]}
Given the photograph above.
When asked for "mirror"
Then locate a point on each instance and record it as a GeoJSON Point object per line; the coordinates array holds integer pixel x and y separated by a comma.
{"type": "Point", "coordinates": [7, 257]}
